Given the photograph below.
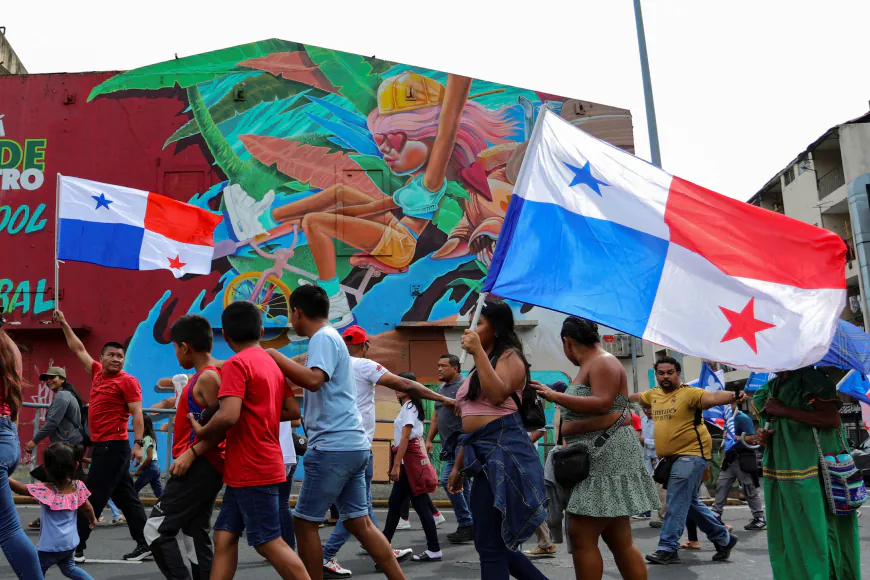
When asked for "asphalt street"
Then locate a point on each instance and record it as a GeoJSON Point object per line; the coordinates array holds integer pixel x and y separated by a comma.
{"type": "Point", "coordinates": [749, 559]}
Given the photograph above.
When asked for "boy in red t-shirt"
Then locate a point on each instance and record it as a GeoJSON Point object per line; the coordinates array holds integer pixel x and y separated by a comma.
{"type": "Point", "coordinates": [254, 399]}
{"type": "Point", "coordinates": [197, 472]}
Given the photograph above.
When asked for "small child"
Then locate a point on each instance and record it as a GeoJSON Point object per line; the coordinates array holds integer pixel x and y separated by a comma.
{"type": "Point", "coordinates": [149, 470]}
{"type": "Point", "coordinates": [59, 498]}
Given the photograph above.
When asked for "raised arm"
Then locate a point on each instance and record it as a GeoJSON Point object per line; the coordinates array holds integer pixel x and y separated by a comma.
{"type": "Point", "coordinates": [290, 410]}
{"type": "Point", "coordinates": [310, 379]}
{"type": "Point", "coordinates": [717, 398]}
{"type": "Point", "coordinates": [496, 383]}
{"type": "Point", "coordinates": [404, 385]}
{"type": "Point", "coordinates": [73, 342]}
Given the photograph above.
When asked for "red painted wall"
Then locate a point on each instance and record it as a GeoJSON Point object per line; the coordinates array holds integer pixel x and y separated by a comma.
{"type": "Point", "coordinates": [106, 141]}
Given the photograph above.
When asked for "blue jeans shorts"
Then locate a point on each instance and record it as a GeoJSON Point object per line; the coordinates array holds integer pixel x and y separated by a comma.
{"type": "Point", "coordinates": [252, 510]}
{"type": "Point", "coordinates": [333, 477]}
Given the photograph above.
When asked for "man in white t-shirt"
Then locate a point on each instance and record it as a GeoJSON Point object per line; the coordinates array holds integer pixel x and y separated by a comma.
{"type": "Point", "coordinates": [367, 375]}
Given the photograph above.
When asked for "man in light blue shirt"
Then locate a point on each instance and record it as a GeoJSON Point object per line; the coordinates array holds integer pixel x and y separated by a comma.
{"type": "Point", "coordinates": [338, 448]}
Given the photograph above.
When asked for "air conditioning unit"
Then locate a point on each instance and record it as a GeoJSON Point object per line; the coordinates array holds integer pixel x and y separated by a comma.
{"type": "Point", "coordinates": [619, 345]}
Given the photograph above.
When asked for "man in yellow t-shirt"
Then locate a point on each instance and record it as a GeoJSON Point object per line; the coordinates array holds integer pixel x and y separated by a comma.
{"type": "Point", "coordinates": [680, 431]}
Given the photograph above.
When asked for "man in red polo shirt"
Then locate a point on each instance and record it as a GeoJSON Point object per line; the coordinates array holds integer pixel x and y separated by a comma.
{"type": "Point", "coordinates": [115, 396]}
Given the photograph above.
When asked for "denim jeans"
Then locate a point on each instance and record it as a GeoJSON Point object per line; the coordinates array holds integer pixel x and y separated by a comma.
{"type": "Point", "coordinates": [19, 550]}
{"type": "Point", "coordinates": [459, 501]}
{"type": "Point", "coordinates": [340, 535]}
{"type": "Point", "coordinates": [64, 561]}
{"type": "Point", "coordinates": [150, 475]}
{"type": "Point", "coordinates": [686, 478]}
{"type": "Point", "coordinates": [333, 477]}
{"type": "Point", "coordinates": [497, 561]}
{"type": "Point", "coordinates": [285, 514]}
{"type": "Point", "coordinates": [116, 513]}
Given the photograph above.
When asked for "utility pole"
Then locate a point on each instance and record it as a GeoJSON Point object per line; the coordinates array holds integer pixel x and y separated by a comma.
{"type": "Point", "coordinates": [652, 129]}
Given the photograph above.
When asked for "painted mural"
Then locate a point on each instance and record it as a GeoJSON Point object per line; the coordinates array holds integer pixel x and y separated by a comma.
{"type": "Point", "coordinates": [385, 183]}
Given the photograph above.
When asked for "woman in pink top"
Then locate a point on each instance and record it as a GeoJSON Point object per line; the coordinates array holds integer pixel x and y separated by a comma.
{"type": "Point", "coordinates": [507, 497]}
{"type": "Point", "coordinates": [19, 551]}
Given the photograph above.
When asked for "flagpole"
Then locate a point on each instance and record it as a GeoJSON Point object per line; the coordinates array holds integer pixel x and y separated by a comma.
{"type": "Point", "coordinates": [474, 320]}
{"type": "Point", "coordinates": [56, 237]}
{"type": "Point", "coordinates": [652, 125]}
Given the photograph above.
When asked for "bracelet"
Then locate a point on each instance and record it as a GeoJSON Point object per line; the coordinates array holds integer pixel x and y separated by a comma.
{"type": "Point", "coordinates": [195, 454]}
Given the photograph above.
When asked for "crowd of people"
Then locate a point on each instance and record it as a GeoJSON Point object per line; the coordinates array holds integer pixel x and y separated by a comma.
{"type": "Point", "coordinates": [234, 431]}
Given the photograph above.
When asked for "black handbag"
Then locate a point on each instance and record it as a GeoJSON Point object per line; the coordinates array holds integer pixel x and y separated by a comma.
{"type": "Point", "coordinates": [300, 442]}
{"type": "Point", "coordinates": [571, 465]}
{"type": "Point", "coordinates": [662, 472]}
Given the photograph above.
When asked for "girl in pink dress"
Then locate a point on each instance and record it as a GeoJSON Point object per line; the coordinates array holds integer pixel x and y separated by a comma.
{"type": "Point", "coordinates": [60, 498]}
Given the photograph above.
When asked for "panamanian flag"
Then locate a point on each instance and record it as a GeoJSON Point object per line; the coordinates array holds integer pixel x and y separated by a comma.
{"type": "Point", "coordinates": [594, 231]}
{"type": "Point", "coordinates": [121, 227]}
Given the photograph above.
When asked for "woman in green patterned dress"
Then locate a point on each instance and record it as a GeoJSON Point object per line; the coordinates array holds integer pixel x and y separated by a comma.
{"type": "Point", "coordinates": [619, 484]}
{"type": "Point", "coordinates": [803, 538]}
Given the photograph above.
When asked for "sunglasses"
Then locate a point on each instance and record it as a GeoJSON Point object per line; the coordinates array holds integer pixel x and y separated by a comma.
{"type": "Point", "coordinates": [395, 140]}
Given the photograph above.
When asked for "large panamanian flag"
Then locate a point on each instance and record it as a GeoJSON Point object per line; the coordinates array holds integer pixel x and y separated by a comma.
{"type": "Point", "coordinates": [594, 231]}
{"type": "Point", "coordinates": [121, 227]}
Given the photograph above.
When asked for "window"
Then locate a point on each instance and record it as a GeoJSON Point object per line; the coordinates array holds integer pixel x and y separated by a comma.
{"type": "Point", "coordinates": [789, 175]}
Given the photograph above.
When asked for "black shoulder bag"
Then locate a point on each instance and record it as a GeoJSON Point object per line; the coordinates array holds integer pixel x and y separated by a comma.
{"type": "Point", "coordinates": [571, 465]}
{"type": "Point", "coordinates": [300, 442]}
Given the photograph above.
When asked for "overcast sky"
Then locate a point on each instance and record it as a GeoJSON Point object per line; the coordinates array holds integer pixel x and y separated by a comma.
{"type": "Point", "coordinates": [741, 87]}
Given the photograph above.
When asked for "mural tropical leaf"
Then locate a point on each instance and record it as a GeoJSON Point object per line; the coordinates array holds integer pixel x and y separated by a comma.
{"type": "Point", "coordinates": [293, 66]}
{"type": "Point", "coordinates": [340, 112]}
{"type": "Point", "coordinates": [316, 166]}
{"type": "Point", "coordinates": [354, 136]}
{"type": "Point", "coordinates": [372, 163]}
{"type": "Point", "coordinates": [351, 73]}
{"type": "Point", "coordinates": [447, 215]}
{"type": "Point", "coordinates": [191, 70]}
{"type": "Point", "coordinates": [260, 89]}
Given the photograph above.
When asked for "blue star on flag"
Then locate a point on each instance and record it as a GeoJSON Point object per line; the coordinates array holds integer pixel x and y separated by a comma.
{"type": "Point", "coordinates": [102, 201]}
{"type": "Point", "coordinates": [584, 175]}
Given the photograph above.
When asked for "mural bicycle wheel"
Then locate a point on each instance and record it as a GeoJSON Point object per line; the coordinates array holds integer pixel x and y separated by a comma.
{"type": "Point", "coordinates": [272, 299]}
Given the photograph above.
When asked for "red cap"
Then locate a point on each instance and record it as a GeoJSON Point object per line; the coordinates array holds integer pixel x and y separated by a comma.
{"type": "Point", "coordinates": [355, 335]}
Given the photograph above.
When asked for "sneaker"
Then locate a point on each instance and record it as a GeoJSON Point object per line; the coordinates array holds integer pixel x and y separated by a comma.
{"type": "Point", "coordinates": [403, 524]}
{"type": "Point", "coordinates": [439, 519]}
{"type": "Point", "coordinates": [333, 569]}
{"type": "Point", "coordinates": [655, 524]}
{"type": "Point", "coordinates": [645, 516]}
{"type": "Point", "coordinates": [402, 555]}
{"type": "Point", "coordinates": [539, 552]}
{"type": "Point", "coordinates": [79, 556]}
{"type": "Point", "coordinates": [724, 552]}
{"type": "Point", "coordinates": [664, 557]}
{"type": "Point", "coordinates": [141, 552]}
{"type": "Point", "coordinates": [461, 535]}
{"type": "Point", "coordinates": [339, 310]}
{"type": "Point", "coordinates": [756, 525]}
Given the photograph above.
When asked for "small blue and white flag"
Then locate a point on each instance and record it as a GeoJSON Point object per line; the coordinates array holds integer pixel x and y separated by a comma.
{"type": "Point", "coordinates": [721, 415]}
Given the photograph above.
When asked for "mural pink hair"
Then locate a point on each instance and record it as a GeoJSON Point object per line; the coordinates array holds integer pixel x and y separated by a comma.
{"type": "Point", "coordinates": [479, 129]}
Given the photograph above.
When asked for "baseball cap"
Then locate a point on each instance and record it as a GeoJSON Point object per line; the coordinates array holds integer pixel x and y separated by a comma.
{"type": "Point", "coordinates": [53, 372]}
{"type": "Point", "coordinates": [559, 386]}
{"type": "Point", "coordinates": [355, 335]}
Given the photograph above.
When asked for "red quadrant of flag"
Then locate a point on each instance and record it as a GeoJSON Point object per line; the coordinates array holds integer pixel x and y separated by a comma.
{"type": "Point", "coordinates": [746, 241]}
{"type": "Point", "coordinates": [179, 221]}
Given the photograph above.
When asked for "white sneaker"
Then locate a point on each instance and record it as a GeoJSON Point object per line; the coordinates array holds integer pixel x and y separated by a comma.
{"type": "Point", "coordinates": [439, 519]}
{"type": "Point", "coordinates": [339, 310]}
{"type": "Point", "coordinates": [245, 211]}
{"type": "Point", "coordinates": [403, 524]}
{"type": "Point", "coordinates": [333, 569]}
{"type": "Point", "coordinates": [402, 555]}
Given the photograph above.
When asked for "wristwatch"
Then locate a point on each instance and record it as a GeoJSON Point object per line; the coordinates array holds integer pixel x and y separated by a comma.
{"type": "Point", "coordinates": [139, 442]}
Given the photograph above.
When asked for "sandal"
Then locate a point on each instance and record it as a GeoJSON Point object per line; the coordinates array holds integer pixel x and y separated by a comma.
{"type": "Point", "coordinates": [688, 545]}
{"type": "Point", "coordinates": [424, 557]}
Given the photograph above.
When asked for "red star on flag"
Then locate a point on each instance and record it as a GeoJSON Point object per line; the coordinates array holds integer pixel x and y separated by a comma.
{"type": "Point", "coordinates": [176, 263]}
{"type": "Point", "coordinates": [744, 325]}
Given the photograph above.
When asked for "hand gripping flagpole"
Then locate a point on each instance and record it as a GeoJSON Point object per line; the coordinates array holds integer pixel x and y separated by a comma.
{"type": "Point", "coordinates": [56, 237]}
{"type": "Point", "coordinates": [474, 320]}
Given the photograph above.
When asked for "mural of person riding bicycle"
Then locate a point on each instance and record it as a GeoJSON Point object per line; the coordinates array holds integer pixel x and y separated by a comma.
{"type": "Point", "coordinates": [386, 184]}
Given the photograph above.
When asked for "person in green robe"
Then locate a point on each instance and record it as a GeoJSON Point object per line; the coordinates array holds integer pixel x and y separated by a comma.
{"type": "Point", "coordinates": [805, 540]}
